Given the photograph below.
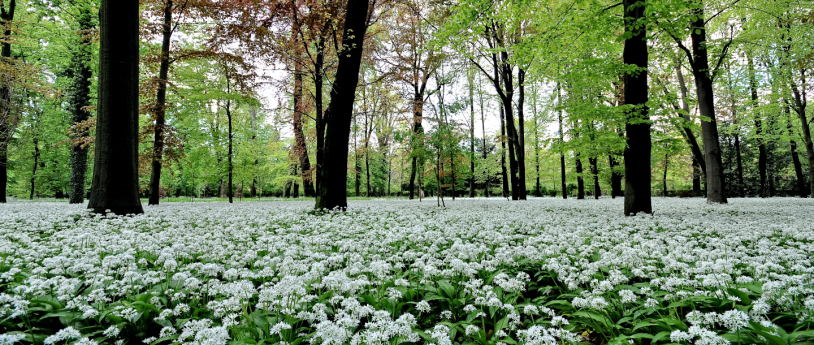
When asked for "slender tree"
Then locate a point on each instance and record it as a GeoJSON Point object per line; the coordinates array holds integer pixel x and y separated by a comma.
{"type": "Point", "coordinates": [159, 111]}
{"type": "Point", "coordinates": [115, 173]}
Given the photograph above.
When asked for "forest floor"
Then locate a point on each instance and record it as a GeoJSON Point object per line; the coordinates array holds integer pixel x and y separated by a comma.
{"type": "Point", "coordinates": [489, 272]}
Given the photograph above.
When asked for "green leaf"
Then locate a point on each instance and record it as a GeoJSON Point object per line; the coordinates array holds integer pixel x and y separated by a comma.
{"type": "Point", "coordinates": [742, 295]}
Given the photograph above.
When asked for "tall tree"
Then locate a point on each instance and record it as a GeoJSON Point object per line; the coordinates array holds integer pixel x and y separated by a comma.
{"type": "Point", "coordinates": [704, 76]}
{"type": "Point", "coordinates": [79, 101]}
{"type": "Point", "coordinates": [159, 110]}
{"type": "Point", "coordinates": [115, 173]}
{"type": "Point", "coordinates": [637, 152]}
{"type": "Point", "coordinates": [6, 126]}
{"type": "Point", "coordinates": [332, 189]}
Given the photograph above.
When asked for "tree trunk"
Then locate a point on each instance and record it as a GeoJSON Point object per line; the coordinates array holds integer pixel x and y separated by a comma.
{"type": "Point", "coordinates": [637, 153]}
{"type": "Point", "coordinates": [504, 174]}
{"type": "Point", "coordinates": [739, 166]}
{"type": "Point", "coordinates": [471, 138]}
{"type": "Point", "coordinates": [595, 173]}
{"type": "Point", "coordinates": [580, 180]}
{"type": "Point", "coordinates": [483, 133]}
{"type": "Point", "coordinates": [357, 177]}
{"type": "Point", "coordinates": [762, 154]}
{"type": "Point", "coordinates": [333, 189]}
{"type": "Point", "coordinates": [798, 167]}
{"type": "Point", "coordinates": [367, 166]}
{"type": "Point", "coordinates": [79, 99]}
{"type": "Point", "coordinates": [229, 191]}
{"type": "Point", "coordinates": [521, 135]}
{"type": "Point", "coordinates": [616, 177]}
{"type": "Point", "coordinates": [511, 129]}
{"type": "Point", "coordinates": [418, 131]}
{"type": "Point", "coordinates": [319, 119]}
{"type": "Point", "coordinates": [562, 142]}
{"type": "Point", "coordinates": [295, 193]}
{"type": "Point", "coordinates": [716, 192]}
{"type": "Point", "coordinates": [115, 166]}
{"type": "Point", "coordinates": [664, 178]}
{"type": "Point", "coordinates": [159, 111]}
{"type": "Point", "coordinates": [301, 148]}
{"type": "Point", "coordinates": [34, 169]}
{"type": "Point", "coordinates": [6, 127]}
{"type": "Point", "coordinates": [697, 155]}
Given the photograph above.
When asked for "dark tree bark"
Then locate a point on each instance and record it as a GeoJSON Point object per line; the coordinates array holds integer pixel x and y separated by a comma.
{"type": "Point", "coordinates": [739, 164]}
{"type": "Point", "coordinates": [6, 16]}
{"type": "Point", "coordinates": [333, 188]}
{"type": "Point", "coordinates": [798, 167]}
{"type": "Point", "coordinates": [580, 180]}
{"type": "Point", "coordinates": [504, 174]}
{"type": "Point", "coordinates": [79, 99]}
{"type": "Point", "coordinates": [471, 138]}
{"type": "Point", "coordinates": [616, 177]}
{"type": "Point", "coordinates": [637, 152]}
{"type": "Point", "coordinates": [485, 150]}
{"type": "Point", "coordinates": [159, 111]}
{"type": "Point", "coordinates": [301, 148]}
{"type": "Point", "coordinates": [521, 135]}
{"type": "Point", "coordinates": [692, 141]}
{"type": "Point", "coordinates": [595, 172]}
{"type": "Point", "coordinates": [761, 142]}
{"type": "Point", "coordinates": [511, 130]}
{"type": "Point", "coordinates": [357, 176]}
{"type": "Point", "coordinates": [418, 130]}
{"type": "Point", "coordinates": [699, 62]}
{"type": "Point", "coordinates": [319, 119]}
{"type": "Point", "coordinates": [115, 166]}
{"type": "Point", "coordinates": [253, 114]}
{"type": "Point", "coordinates": [562, 142]}
{"type": "Point", "coordinates": [34, 168]}
{"type": "Point", "coordinates": [664, 178]}
{"type": "Point", "coordinates": [230, 188]}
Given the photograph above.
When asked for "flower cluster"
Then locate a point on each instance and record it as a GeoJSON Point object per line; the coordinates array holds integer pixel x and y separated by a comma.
{"type": "Point", "coordinates": [545, 271]}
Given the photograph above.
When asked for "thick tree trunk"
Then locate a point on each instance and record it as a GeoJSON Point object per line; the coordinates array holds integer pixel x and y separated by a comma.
{"type": "Point", "coordinates": [79, 99]}
{"type": "Point", "coordinates": [637, 152]}
{"type": "Point", "coordinates": [159, 111]}
{"type": "Point", "coordinates": [115, 169]}
{"type": "Point", "coordinates": [6, 16]}
{"type": "Point", "coordinates": [333, 193]}
{"type": "Point", "coordinates": [301, 148]}
{"type": "Point", "coordinates": [716, 192]}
